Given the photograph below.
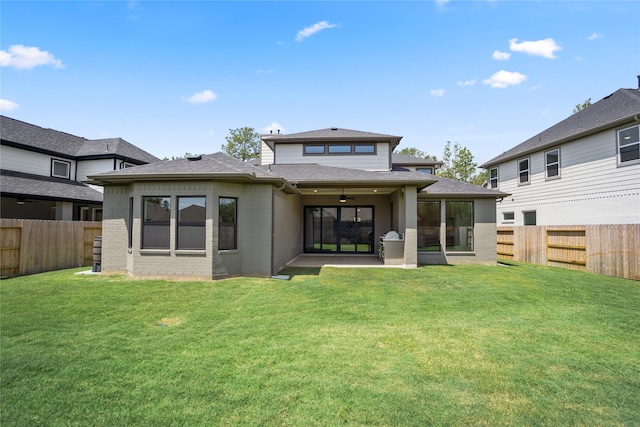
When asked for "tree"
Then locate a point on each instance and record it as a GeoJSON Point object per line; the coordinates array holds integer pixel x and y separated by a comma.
{"type": "Point", "coordinates": [414, 152]}
{"type": "Point", "coordinates": [458, 163]}
{"type": "Point", "coordinates": [242, 143]}
{"type": "Point", "coordinates": [582, 106]}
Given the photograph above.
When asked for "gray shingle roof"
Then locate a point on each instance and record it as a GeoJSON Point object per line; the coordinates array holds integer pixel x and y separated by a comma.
{"type": "Point", "coordinates": [405, 160]}
{"type": "Point", "coordinates": [609, 112]}
{"type": "Point", "coordinates": [19, 184]}
{"type": "Point", "coordinates": [208, 165]}
{"type": "Point", "coordinates": [318, 174]}
{"type": "Point", "coordinates": [34, 137]}
{"type": "Point", "coordinates": [449, 187]}
{"type": "Point", "coordinates": [330, 133]}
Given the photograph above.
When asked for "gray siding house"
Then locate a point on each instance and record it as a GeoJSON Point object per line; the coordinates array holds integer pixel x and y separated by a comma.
{"type": "Point", "coordinates": [330, 191]}
{"type": "Point", "coordinates": [585, 170]}
{"type": "Point", "coordinates": [42, 170]}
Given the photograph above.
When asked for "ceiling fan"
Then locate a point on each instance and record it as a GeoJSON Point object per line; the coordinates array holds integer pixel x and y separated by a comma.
{"type": "Point", "coordinates": [343, 198]}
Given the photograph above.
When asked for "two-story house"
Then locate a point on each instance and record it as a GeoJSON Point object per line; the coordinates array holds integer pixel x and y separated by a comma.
{"type": "Point", "coordinates": [585, 170]}
{"type": "Point", "coordinates": [330, 191]}
{"type": "Point", "coordinates": [41, 171]}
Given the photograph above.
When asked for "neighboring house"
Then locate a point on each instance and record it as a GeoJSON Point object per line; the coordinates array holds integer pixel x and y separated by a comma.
{"type": "Point", "coordinates": [331, 191]}
{"type": "Point", "coordinates": [584, 170]}
{"type": "Point", "coordinates": [41, 171]}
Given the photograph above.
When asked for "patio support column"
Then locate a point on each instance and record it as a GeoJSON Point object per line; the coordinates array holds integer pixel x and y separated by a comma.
{"type": "Point", "coordinates": [411, 226]}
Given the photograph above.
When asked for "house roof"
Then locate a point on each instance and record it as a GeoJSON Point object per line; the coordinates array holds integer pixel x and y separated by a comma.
{"type": "Point", "coordinates": [313, 174]}
{"type": "Point", "coordinates": [406, 160]}
{"type": "Point", "coordinates": [611, 111]}
{"type": "Point", "coordinates": [330, 134]}
{"type": "Point", "coordinates": [25, 135]}
{"type": "Point", "coordinates": [450, 187]}
{"type": "Point", "coordinates": [20, 184]}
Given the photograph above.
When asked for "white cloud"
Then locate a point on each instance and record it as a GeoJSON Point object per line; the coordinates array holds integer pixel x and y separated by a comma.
{"type": "Point", "coordinates": [595, 36]}
{"type": "Point", "coordinates": [6, 105]}
{"type": "Point", "coordinates": [503, 79]}
{"type": "Point", "coordinates": [437, 92]}
{"type": "Point", "coordinates": [273, 127]}
{"type": "Point", "coordinates": [26, 57]}
{"type": "Point", "coordinates": [270, 70]}
{"type": "Point", "coordinates": [442, 3]}
{"type": "Point", "coordinates": [202, 97]}
{"type": "Point", "coordinates": [309, 31]}
{"type": "Point", "coordinates": [501, 56]}
{"type": "Point", "coordinates": [545, 48]}
{"type": "Point", "coordinates": [467, 83]}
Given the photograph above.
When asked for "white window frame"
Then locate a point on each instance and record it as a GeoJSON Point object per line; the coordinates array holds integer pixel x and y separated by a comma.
{"type": "Point", "coordinates": [492, 179]}
{"type": "Point", "coordinates": [62, 162]}
{"type": "Point", "coordinates": [528, 170]}
{"type": "Point", "coordinates": [629, 144]}
{"type": "Point", "coordinates": [506, 220]}
{"type": "Point", "coordinates": [547, 164]}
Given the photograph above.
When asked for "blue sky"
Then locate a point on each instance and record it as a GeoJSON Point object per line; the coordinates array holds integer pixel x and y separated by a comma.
{"type": "Point", "coordinates": [174, 77]}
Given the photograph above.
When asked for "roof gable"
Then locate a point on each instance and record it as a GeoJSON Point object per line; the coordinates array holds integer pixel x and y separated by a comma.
{"type": "Point", "coordinates": [609, 112]}
{"type": "Point", "coordinates": [25, 135]}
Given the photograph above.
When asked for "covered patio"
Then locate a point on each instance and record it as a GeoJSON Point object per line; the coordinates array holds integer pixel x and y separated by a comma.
{"type": "Point", "coordinates": [339, 260]}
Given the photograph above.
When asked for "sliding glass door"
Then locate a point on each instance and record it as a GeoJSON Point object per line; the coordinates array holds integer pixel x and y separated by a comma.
{"type": "Point", "coordinates": [338, 229]}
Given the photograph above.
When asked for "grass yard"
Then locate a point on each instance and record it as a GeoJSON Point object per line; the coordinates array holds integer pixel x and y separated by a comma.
{"type": "Point", "coordinates": [440, 345]}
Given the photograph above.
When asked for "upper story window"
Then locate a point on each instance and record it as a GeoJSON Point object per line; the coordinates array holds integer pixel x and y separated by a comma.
{"type": "Point", "coordinates": [523, 171]}
{"type": "Point", "coordinates": [428, 171]}
{"type": "Point", "coordinates": [124, 165]}
{"type": "Point", "coordinates": [339, 149]}
{"type": "Point", "coordinates": [552, 162]}
{"type": "Point", "coordinates": [60, 169]}
{"type": "Point", "coordinates": [493, 178]}
{"type": "Point", "coordinates": [629, 145]}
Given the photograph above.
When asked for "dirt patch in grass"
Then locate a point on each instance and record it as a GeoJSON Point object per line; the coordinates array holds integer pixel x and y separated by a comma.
{"type": "Point", "coordinates": [169, 321]}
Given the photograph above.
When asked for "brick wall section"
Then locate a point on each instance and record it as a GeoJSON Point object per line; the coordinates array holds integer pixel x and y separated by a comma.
{"type": "Point", "coordinates": [115, 214]}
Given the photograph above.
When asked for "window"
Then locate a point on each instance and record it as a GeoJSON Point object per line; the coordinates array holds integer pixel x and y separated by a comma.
{"type": "Point", "coordinates": [552, 161]}
{"type": "Point", "coordinates": [508, 216]}
{"type": "Point", "coordinates": [523, 171]}
{"type": "Point", "coordinates": [429, 226]}
{"type": "Point", "coordinates": [97, 214]}
{"type": "Point", "coordinates": [629, 145]}
{"type": "Point", "coordinates": [493, 178]}
{"type": "Point", "coordinates": [60, 169]}
{"type": "Point", "coordinates": [459, 226]}
{"type": "Point", "coordinates": [428, 171]}
{"type": "Point", "coordinates": [156, 222]}
{"type": "Point", "coordinates": [364, 149]}
{"type": "Point", "coordinates": [124, 165]}
{"type": "Point", "coordinates": [130, 224]}
{"type": "Point", "coordinates": [339, 149]}
{"type": "Point", "coordinates": [191, 223]}
{"type": "Point", "coordinates": [228, 223]}
{"type": "Point", "coordinates": [314, 149]}
{"type": "Point", "coordinates": [84, 213]}
{"type": "Point", "coordinates": [529, 218]}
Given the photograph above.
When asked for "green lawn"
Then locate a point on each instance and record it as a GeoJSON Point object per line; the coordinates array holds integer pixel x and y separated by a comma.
{"type": "Point", "coordinates": [440, 345]}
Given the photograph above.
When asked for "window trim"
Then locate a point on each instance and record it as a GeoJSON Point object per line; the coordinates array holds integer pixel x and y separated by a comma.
{"type": "Point", "coordinates": [527, 170]}
{"type": "Point", "coordinates": [524, 213]}
{"type": "Point", "coordinates": [618, 146]}
{"type": "Point", "coordinates": [235, 224]}
{"type": "Point", "coordinates": [144, 223]}
{"type": "Point", "coordinates": [496, 178]}
{"type": "Point", "coordinates": [429, 170]}
{"type": "Point", "coordinates": [506, 220]}
{"type": "Point", "coordinates": [352, 150]}
{"type": "Point", "coordinates": [547, 164]}
{"type": "Point", "coordinates": [180, 224]}
{"type": "Point", "coordinates": [64, 162]}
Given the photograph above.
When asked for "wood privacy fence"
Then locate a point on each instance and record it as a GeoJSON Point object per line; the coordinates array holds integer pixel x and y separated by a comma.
{"type": "Point", "coordinates": [612, 250]}
{"type": "Point", "coordinates": [33, 246]}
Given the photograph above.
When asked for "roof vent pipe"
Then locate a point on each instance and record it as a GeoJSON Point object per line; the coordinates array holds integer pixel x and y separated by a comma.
{"type": "Point", "coordinates": [638, 81]}
{"type": "Point", "coordinates": [271, 131]}
{"type": "Point", "coordinates": [278, 131]}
